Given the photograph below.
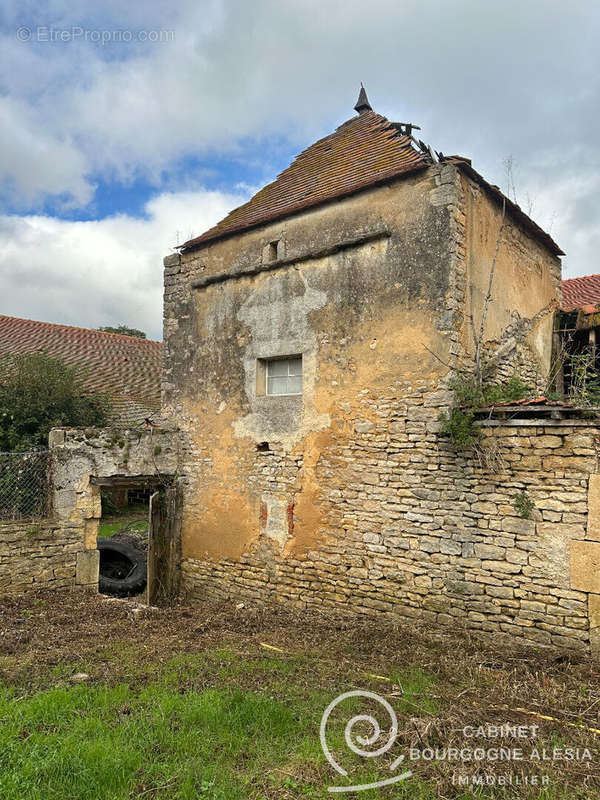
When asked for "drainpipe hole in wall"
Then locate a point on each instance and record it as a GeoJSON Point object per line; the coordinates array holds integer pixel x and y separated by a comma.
{"type": "Point", "coordinates": [263, 447]}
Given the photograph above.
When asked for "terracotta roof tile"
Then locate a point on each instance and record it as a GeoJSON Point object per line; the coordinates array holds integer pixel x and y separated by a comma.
{"type": "Point", "coordinates": [126, 367]}
{"type": "Point", "coordinates": [363, 151]}
{"type": "Point", "coordinates": [577, 293]}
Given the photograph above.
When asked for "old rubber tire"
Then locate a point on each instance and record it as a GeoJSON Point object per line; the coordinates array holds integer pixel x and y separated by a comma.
{"type": "Point", "coordinates": [122, 568]}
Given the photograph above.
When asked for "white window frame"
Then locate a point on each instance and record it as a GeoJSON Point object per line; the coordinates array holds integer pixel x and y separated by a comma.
{"type": "Point", "coordinates": [269, 363]}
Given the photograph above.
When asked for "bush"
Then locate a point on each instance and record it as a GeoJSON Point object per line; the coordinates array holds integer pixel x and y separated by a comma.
{"type": "Point", "coordinates": [124, 330]}
{"type": "Point", "coordinates": [467, 392]}
{"type": "Point", "coordinates": [458, 423]}
{"type": "Point", "coordinates": [524, 505]}
{"type": "Point", "coordinates": [39, 392]}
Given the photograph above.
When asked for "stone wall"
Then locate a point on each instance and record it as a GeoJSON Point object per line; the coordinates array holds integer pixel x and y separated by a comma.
{"type": "Point", "coordinates": [346, 496]}
{"type": "Point", "coordinates": [39, 554]}
{"type": "Point", "coordinates": [62, 550]}
{"type": "Point", "coordinates": [82, 453]}
{"type": "Point", "coordinates": [525, 290]}
{"type": "Point", "coordinates": [85, 457]}
{"type": "Point", "coordinates": [430, 535]}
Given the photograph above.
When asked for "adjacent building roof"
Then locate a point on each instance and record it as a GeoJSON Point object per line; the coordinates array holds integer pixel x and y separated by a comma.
{"type": "Point", "coordinates": [365, 150]}
{"type": "Point", "coordinates": [126, 367]}
{"type": "Point", "coordinates": [581, 293]}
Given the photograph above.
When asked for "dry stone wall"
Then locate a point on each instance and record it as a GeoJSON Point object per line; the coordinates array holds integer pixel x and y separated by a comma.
{"type": "Point", "coordinates": [431, 535]}
{"type": "Point", "coordinates": [36, 555]}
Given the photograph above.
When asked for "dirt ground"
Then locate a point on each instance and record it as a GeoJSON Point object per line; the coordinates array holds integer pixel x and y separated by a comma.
{"type": "Point", "coordinates": [48, 638]}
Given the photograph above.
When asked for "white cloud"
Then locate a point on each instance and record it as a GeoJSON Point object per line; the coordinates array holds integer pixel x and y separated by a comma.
{"type": "Point", "coordinates": [486, 80]}
{"type": "Point", "coordinates": [35, 162]}
{"type": "Point", "coordinates": [102, 272]}
{"type": "Point", "coordinates": [480, 77]}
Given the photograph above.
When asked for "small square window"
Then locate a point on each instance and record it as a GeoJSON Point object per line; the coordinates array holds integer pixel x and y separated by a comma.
{"type": "Point", "coordinates": [272, 251]}
{"type": "Point", "coordinates": [284, 376]}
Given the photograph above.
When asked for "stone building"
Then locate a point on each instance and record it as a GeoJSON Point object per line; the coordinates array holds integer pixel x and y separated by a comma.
{"type": "Point", "coordinates": [578, 333]}
{"type": "Point", "coordinates": [309, 340]}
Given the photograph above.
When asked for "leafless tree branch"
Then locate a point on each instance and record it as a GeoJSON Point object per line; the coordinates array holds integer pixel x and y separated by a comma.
{"type": "Point", "coordinates": [488, 297]}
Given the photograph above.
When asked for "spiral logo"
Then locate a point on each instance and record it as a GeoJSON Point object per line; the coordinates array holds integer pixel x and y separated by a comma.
{"type": "Point", "coordinates": [358, 744]}
{"type": "Point", "coordinates": [23, 34]}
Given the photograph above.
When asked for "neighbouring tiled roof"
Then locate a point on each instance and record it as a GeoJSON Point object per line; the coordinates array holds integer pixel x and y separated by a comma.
{"type": "Point", "coordinates": [578, 293]}
{"type": "Point", "coordinates": [126, 367]}
{"type": "Point", "coordinates": [363, 151]}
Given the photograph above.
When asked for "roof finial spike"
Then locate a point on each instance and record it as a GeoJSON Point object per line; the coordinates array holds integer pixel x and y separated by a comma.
{"type": "Point", "coordinates": [362, 104]}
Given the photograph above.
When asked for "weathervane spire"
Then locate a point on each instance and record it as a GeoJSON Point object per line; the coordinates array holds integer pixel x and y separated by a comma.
{"type": "Point", "coordinates": [362, 104]}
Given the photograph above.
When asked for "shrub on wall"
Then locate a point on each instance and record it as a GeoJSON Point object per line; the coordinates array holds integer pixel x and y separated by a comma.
{"type": "Point", "coordinates": [469, 395]}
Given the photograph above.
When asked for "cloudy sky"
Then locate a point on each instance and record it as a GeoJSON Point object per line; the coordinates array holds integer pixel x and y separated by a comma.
{"type": "Point", "coordinates": [126, 129]}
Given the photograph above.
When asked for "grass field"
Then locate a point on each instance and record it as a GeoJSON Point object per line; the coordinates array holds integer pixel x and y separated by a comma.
{"type": "Point", "coordinates": [102, 699]}
{"type": "Point", "coordinates": [134, 518]}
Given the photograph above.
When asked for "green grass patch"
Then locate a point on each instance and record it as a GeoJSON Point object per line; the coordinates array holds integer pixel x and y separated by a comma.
{"type": "Point", "coordinates": [208, 703]}
{"type": "Point", "coordinates": [417, 692]}
{"type": "Point", "coordinates": [134, 518]}
{"type": "Point", "coordinates": [115, 743]}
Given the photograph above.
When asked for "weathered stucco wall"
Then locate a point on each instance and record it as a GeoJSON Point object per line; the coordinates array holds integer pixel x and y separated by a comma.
{"type": "Point", "coordinates": [525, 290]}
{"type": "Point", "coordinates": [39, 554]}
{"type": "Point", "coordinates": [369, 320]}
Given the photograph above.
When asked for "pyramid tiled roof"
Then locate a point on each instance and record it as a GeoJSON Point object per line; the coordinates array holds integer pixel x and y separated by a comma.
{"type": "Point", "coordinates": [579, 293]}
{"type": "Point", "coordinates": [126, 367]}
{"type": "Point", "coordinates": [365, 150]}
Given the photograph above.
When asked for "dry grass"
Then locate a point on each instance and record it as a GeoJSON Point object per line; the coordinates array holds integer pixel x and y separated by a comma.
{"type": "Point", "coordinates": [438, 683]}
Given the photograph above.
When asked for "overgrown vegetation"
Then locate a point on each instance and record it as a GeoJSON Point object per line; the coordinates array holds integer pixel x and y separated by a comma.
{"type": "Point", "coordinates": [224, 703]}
{"type": "Point", "coordinates": [108, 504]}
{"type": "Point", "coordinates": [39, 392]}
{"type": "Point", "coordinates": [584, 389]}
{"type": "Point", "coordinates": [524, 505]}
{"type": "Point", "coordinates": [469, 395]}
{"type": "Point", "coordinates": [124, 330]}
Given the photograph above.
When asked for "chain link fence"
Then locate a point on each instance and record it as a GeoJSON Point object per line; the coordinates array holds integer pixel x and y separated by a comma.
{"type": "Point", "coordinates": [25, 485]}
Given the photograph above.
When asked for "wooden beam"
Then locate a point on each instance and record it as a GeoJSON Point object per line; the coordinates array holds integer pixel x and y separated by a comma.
{"type": "Point", "coordinates": [536, 422]}
{"type": "Point", "coordinates": [130, 481]}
